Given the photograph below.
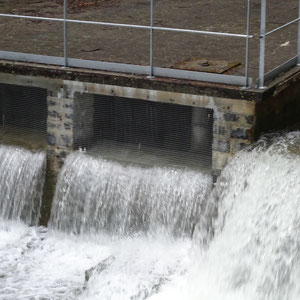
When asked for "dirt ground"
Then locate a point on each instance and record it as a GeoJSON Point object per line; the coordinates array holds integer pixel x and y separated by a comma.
{"type": "Point", "coordinates": [132, 45]}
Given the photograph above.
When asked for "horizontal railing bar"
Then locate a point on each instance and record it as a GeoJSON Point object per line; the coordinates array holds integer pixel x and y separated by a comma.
{"type": "Point", "coordinates": [203, 32]}
{"type": "Point", "coordinates": [130, 26]}
{"type": "Point", "coordinates": [31, 17]}
{"type": "Point", "coordinates": [201, 76]}
{"type": "Point", "coordinates": [280, 69]}
{"type": "Point", "coordinates": [126, 68]}
{"type": "Point", "coordinates": [282, 26]}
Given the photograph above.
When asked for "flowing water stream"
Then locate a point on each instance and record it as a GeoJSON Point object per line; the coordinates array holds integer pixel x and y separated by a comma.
{"type": "Point", "coordinates": [97, 195]}
{"type": "Point", "coordinates": [21, 184]}
{"type": "Point", "coordinates": [130, 237]}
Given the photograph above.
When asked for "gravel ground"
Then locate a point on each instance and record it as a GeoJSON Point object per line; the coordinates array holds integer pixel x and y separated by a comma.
{"type": "Point", "coordinates": [132, 45]}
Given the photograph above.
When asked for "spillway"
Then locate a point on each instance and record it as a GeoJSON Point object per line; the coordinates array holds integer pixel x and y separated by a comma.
{"type": "Point", "coordinates": [21, 184]}
{"type": "Point", "coordinates": [245, 244]}
{"type": "Point", "coordinates": [94, 194]}
{"type": "Point", "coordinates": [256, 247]}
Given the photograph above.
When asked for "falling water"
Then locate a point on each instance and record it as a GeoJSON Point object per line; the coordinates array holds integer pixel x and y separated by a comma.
{"type": "Point", "coordinates": [255, 253]}
{"type": "Point", "coordinates": [21, 184]}
{"type": "Point", "coordinates": [249, 224]}
{"type": "Point", "coordinates": [95, 194]}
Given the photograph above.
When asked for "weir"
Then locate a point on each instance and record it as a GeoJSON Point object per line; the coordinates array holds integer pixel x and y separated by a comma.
{"type": "Point", "coordinates": [148, 174]}
{"type": "Point", "coordinates": [21, 184]}
{"type": "Point", "coordinates": [96, 195]}
{"type": "Point", "coordinates": [245, 242]}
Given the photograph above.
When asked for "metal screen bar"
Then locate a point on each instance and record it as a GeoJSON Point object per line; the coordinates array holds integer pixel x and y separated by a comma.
{"type": "Point", "coordinates": [282, 26]}
{"type": "Point", "coordinates": [248, 44]}
{"type": "Point", "coordinates": [125, 68]}
{"type": "Point", "coordinates": [281, 68]}
{"type": "Point", "coordinates": [298, 54]}
{"type": "Point", "coordinates": [151, 38]}
{"type": "Point", "coordinates": [151, 70]}
{"type": "Point", "coordinates": [65, 33]}
{"type": "Point", "coordinates": [215, 33]}
{"type": "Point", "coordinates": [261, 79]}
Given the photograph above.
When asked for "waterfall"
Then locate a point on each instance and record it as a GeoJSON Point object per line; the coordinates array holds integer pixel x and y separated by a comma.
{"type": "Point", "coordinates": [94, 194]}
{"type": "Point", "coordinates": [255, 253]}
{"type": "Point", "coordinates": [21, 184]}
{"type": "Point", "coordinates": [248, 226]}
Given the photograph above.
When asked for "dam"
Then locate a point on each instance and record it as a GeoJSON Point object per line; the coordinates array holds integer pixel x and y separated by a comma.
{"type": "Point", "coordinates": [149, 154]}
{"type": "Point", "coordinates": [185, 109]}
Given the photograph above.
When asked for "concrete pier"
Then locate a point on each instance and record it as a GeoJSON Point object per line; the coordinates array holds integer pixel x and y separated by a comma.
{"type": "Point", "coordinates": [239, 116]}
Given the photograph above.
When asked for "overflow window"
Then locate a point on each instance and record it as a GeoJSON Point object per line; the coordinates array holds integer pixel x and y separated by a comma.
{"type": "Point", "coordinates": [23, 116]}
{"type": "Point", "coordinates": [150, 132]}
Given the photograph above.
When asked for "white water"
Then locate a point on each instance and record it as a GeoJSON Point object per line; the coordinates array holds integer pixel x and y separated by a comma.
{"type": "Point", "coordinates": [254, 254]}
{"type": "Point", "coordinates": [35, 264]}
{"type": "Point", "coordinates": [98, 195]}
{"type": "Point", "coordinates": [21, 184]}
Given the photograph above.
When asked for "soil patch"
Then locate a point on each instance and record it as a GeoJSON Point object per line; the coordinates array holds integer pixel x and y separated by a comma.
{"type": "Point", "coordinates": [79, 5]}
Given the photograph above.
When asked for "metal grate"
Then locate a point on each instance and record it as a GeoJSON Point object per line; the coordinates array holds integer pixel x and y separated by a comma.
{"type": "Point", "coordinates": [148, 132]}
{"type": "Point", "coordinates": [23, 116]}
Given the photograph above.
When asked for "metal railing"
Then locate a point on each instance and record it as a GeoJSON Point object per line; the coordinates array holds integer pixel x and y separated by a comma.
{"type": "Point", "coordinates": [263, 77]}
{"type": "Point", "coordinates": [151, 70]}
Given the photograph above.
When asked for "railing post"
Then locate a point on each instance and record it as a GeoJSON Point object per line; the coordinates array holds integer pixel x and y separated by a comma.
{"type": "Point", "coordinates": [261, 77]}
{"type": "Point", "coordinates": [298, 61]}
{"type": "Point", "coordinates": [151, 75]}
{"type": "Point", "coordinates": [248, 44]}
{"type": "Point", "coordinates": [65, 33]}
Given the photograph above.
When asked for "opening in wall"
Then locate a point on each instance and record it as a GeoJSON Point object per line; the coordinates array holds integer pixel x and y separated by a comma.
{"type": "Point", "coordinates": [145, 132]}
{"type": "Point", "coordinates": [23, 116]}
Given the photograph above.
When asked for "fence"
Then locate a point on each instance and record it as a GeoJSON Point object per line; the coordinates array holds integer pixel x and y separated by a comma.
{"type": "Point", "coordinates": [263, 77]}
{"type": "Point", "coordinates": [151, 70]}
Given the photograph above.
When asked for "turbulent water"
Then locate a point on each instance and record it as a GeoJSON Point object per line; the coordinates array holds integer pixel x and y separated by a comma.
{"type": "Point", "coordinates": [250, 226]}
{"type": "Point", "coordinates": [21, 184]}
{"type": "Point", "coordinates": [98, 195]}
{"type": "Point", "coordinates": [255, 253]}
{"type": "Point", "coordinates": [36, 264]}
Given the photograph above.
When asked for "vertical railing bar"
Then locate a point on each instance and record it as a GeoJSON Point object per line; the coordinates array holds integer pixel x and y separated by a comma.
{"type": "Point", "coordinates": [298, 61]}
{"type": "Point", "coordinates": [65, 33]}
{"type": "Point", "coordinates": [248, 44]}
{"type": "Point", "coordinates": [151, 38]}
{"type": "Point", "coordinates": [261, 77]}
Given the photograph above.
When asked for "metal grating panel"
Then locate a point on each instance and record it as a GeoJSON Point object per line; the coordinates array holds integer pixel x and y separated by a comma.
{"type": "Point", "coordinates": [147, 132]}
{"type": "Point", "coordinates": [23, 116]}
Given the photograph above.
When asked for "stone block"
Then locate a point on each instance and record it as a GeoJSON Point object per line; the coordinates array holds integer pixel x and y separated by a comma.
{"type": "Point", "coordinates": [68, 125]}
{"type": "Point", "coordinates": [220, 130]}
{"type": "Point", "coordinates": [241, 133]}
{"type": "Point", "coordinates": [239, 144]}
{"type": "Point", "coordinates": [220, 159]}
{"type": "Point", "coordinates": [221, 145]}
{"type": "Point", "coordinates": [51, 139]}
{"type": "Point", "coordinates": [54, 115]}
{"type": "Point", "coordinates": [66, 140]}
{"type": "Point", "coordinates": [230, 117]}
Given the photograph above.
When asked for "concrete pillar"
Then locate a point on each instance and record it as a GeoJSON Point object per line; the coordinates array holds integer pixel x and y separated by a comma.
{"type": "Point", "coordinates": [233, 130]}
{"type": "Point", "coordinates": [69, 124]}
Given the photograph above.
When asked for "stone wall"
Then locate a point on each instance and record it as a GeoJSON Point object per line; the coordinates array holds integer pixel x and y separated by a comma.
{"type": "Point", "coordinates": [70, 120]}
{"type": "Point", "coordinates": [59, 128]}
{"type": "Point", "coordinates": [233, 130]}
{"type": "Point", "coordinates": [239, 116]}
{"type": "Point", "coordinates": [69, 124]}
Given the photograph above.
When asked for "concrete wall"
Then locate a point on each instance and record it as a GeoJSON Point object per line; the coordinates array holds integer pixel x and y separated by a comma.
{"type": "Point", "coordinates": [70, 116]}
{"type": "Point", "coordinates": [239, 116]}
{"type": "Point", "coordinates": [69, 124]}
